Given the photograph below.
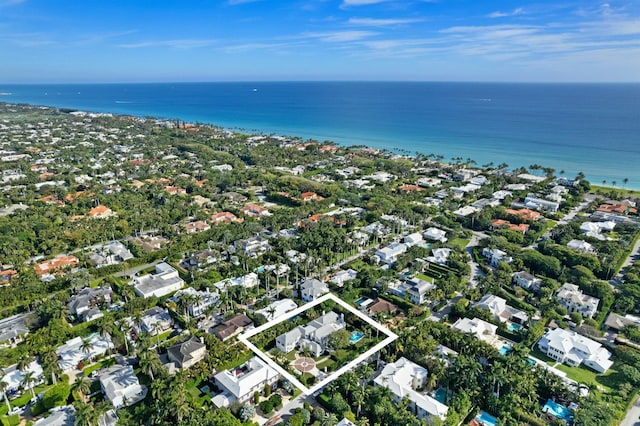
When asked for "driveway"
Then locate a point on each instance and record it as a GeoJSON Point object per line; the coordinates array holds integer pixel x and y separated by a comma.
{"type": "Point", "coordinates": [633, 415]}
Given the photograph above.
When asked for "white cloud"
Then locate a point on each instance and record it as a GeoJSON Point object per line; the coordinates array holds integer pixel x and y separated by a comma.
{"type": "Point", "coordinates": [177, 44]}
{"type": "Point", "coordinates": [347, 3]}
{"type": "Point", "coordinates": [340, 36]}
{"type": "Point", "coordinates": [498, 14]}
{"type": "Point", "coordinates": [373, 22]}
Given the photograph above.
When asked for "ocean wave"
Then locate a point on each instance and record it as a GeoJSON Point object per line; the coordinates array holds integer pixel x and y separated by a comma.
{"type": "Point", "coordinates": [123, 102]}
{"type": "Point", "coordinates": [6, 93]}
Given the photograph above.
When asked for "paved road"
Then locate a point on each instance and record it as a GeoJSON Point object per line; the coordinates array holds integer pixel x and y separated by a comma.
{"type": "Point", "coordinates": [633, 256]}
{"type": "Point", "coordinates": [298, 402]}
{"type": "Point", "coordinates": [633, 415]}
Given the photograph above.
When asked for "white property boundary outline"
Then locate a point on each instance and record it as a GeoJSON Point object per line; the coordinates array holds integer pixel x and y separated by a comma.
{"type": "Point", "coordinates": [244, 338]}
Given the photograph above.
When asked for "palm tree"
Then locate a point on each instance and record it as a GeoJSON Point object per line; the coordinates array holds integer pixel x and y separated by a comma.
{"type": "Point", "coordinates": [3, 388]}
{"type": "Point", "coordinates": [86, 346]}
{"type": "Point", "coordinates": [149, 363]}
{"type": "Point", "coordinates": [85, 415]}
{"type": "Point", "coordinates": [359, 397]}
{"type": "Point", "coordinates": [329, 419]}
{"type": "Point", "coordinates": [28, 380]}
{"type": "Point", "coordinates": [82, 386]}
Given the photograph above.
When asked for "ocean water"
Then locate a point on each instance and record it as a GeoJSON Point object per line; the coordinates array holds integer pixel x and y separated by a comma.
{"type": "Point", "coordinates": [593, 128]}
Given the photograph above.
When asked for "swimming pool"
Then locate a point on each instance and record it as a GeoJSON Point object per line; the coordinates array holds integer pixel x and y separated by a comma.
{"type": "Point", "coordinates": [559, 411]}
{"type": "Point", "coordinates": [359, 301]}
{"type": "Point", "coordinates": [505, 350]}
{"type": "Point", "coordinates": [440, 395]}
{"type": "Point", "coordinates": [356, 336]}
{"type": "Point", "coordinates": [513, 327]}
{"type": "Point", "coordinates": [486, 419]}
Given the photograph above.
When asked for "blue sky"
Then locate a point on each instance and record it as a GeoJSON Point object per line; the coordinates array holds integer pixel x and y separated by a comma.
{"type": "Point", "coordinates": [250, 40]}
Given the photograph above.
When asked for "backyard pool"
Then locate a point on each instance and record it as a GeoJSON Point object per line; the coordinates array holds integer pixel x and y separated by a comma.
{"type": "Point", "coordinates": [513, 327]}
{"type": "Point", "coordinates": [440, 395]}
{"type": "Point", "coordinates": [356, 336]}
{"type": "Point", "coordinates": [505, 350]}
{"type": "Point", "coordinates": [486, 419]}
{"type": "Point", "coordinates": [559, 411]}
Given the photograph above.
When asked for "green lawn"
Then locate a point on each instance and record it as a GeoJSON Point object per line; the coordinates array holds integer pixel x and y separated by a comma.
{"type": "Point", "coordinates": [96, 366]}
{"type": "Point", "coordinates": [459, 243]}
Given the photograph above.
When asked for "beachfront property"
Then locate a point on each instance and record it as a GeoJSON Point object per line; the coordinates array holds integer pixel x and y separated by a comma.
{"type": "Point", "coordinates": [390, 253]}
{"type": "Point", "coordinates": [77, 350]}
{"type": "Point", "coordinates": [240, 383]}
{"type": "Point", "coordinates": [166, 280]}
{"type": "Point", "coordinates": [197, 302]}
{"type": "Point", "coordinates": [14, 377]}
{"type": "Point", "coordinates": [573, 349]}
{"type": "Point", "coordinates": [500, 310]}
{"type": "Point", "coordinates": [495, 256]}
{"type": "Point", "coordinates": [277, 309]}
{"type": "Point", "coordinates": [314, 336]}
{"type": "Point", "coordinates": [12, 330]}
{"type": "Point", "coordinates": [435, 234]}
{"type": "Point", "coordinates": [406, 379]}
{"type": "Point", "coordinates": [112, 253]}
{"type": "Point", "coordinates": [571, 297]}
{"type": "Point", "coordinates": [481, 329]}
{"type": "Point", "coordinates": [311, 289]}
{"type": "Point", "coordinates": [527, 281]}
{"type": "Point", "coordinates": [186, 354]}
{"type": "Point", "coordinates": [120, 386]}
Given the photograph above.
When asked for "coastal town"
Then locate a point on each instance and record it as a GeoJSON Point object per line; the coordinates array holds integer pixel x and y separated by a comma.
{"type": "Point", "coordinates": [154, 271]}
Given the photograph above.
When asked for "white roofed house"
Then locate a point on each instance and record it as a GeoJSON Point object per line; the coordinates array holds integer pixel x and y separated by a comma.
{"type": "Point", "coordinates": [78, 350]}
{"type": "Point", "coordinates": [239, 384]}
{"type": "Point", "coordinates": [12, 329]}
{"type": "Point", "coordinates": [527, 281]}
{"type": "Point", "coordinates": [340, 277]}
{"type": "Point", "coordinates": [406, 379]}
{"type": "Point", "coordinates": [197, 302]}
{"type": "Point", "coordinates": [571, 297]}
{"type": "Point", "coordinates": [390, 253]}
{"type": "Point", "coordinates": [435, 234]}
{"type": "Point", "coordinates": [277, 309]}
{"type": "Point", "coordinates": [500, 310]}
{"type": "Point", "coordinates": [166, 280]}
{"type": "Point", "coordinates": [155, 321]}
{"type": "Point", "coordinates": [121, 387]}
{"type": "Point", "coordinates": [412, 239]}
{"type": "Point", "coordinates": [419, 290]}
{"type": "Point", "coordinates": [495, 256]}
{"type": "Point", "coordinates": [86, 304]}
{"type": "Point", "coordinates": [439, 256]}
{"type": "Point", "coordinates": [581, 246]}
{"type": "Point", "coordinates": [311, 289]}
{"type": "Point", "coordinates": [313, 336]}
{"type": "Point", "coordinates": [482, 329]}
{"type": "Point", "coordinates": [14, 377]}
{"type": "Point", "coordinates": [574, 349]}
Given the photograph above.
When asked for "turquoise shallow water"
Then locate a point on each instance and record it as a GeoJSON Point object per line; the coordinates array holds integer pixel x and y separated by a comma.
{"type": "Point", "coordinates": [593, 128]}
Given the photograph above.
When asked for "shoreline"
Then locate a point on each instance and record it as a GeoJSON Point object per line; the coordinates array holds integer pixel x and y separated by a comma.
{"type": "Point", "coordinates": [380, 143]}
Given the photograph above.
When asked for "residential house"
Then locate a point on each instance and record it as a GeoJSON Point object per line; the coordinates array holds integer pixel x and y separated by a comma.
{"type": "Point", "coordinates": [381, 306]}
{"type": "Point", "coordinates": [571, 297]}
{"type": "Point", "coordinates": [439, 256]}
{"type": "Point", "coordinates": [535, 203]}
{"type": "Point", "coordinates": [248, 281]}
{"type": "Point", "coordinates": [435, 234]}
{"type": "Point", "coordinates": [311, 289]}
{"type": "Point", "coordinates": [253, 246]}
{"type": "Point", "coordinates": [233, 326]}
{"type": "Point", "coordinates": [155, 321]}
{"type": "Point", "coordinates": [525, 214]}
{"type": "Point", "coordinates": [310, 196]}
{"type": "Point", "coordinates": [496, 256]}
{"type": "Point", "coordinates": [74, 351]}
{"type": "Point", "coordinates": [342, 276]}
{"type": "Point", "coordinates": [198, 301]}
{"type": "Point", "coordinates": [121, 387]}
{"type": "Point", "coordinates": [314, 336]}
{"type": "Point", "coordinates": [150, 242]}
{"type": "Point", "coordinates": [406, 379]}
{"type": "Point", "coordinates": [224, 217]}
{"type": "Point", "coordinates": [581, 246]}
{"type": "Point", "coordinates": [527, 281]}
{"type": "Point", "coordinates": [345, 422]}
{"type": "Point", "coordinates": [59, 416]}
{"type": "Point", "coordinates": [277, 309]}
{"type": "Point", "coordinates": [412, 239]}
{"type": "Point", "coordinates": [466, 211]}
{"type": "Point", "coordinates": [254, 210]}
{"type": "Point", "coordinates": [500, 310]}
{"type": "Point", "coordinates": [14, 377]}
{"type": "Point", "coordinates": [619, 322]}
{"type": "Point", "coordinates": [196, 226]}
{"type": "Point", "coordinates": [111, 253]}
{"type": "Point", "coordinates": [86, 304]}
{"type": "Point", "coordinates": [501, 223]}
{"type": "Point", "coordinates": [390, 253]}
{"type": "Point", "coordinates": [419, 290]}
{"type": "Point", "coordinates": [101, 212]}
{"type": "Point", "coordinates": [12, 329]}
{"type": "Point", "coordinates": [58, 263]}
{"type": "Point", "coordinates": [573, 349]}
{"type": "Point", "coordinates": [200, 259]}
{"type": "Point", "coordinates": [481, 329]}
{"type": "Point", "coordinates": [187, 353]}
{"type": "Point", "coordinates": [166, 280]}
{"type": "Point", "coordinates": [240, 383]}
